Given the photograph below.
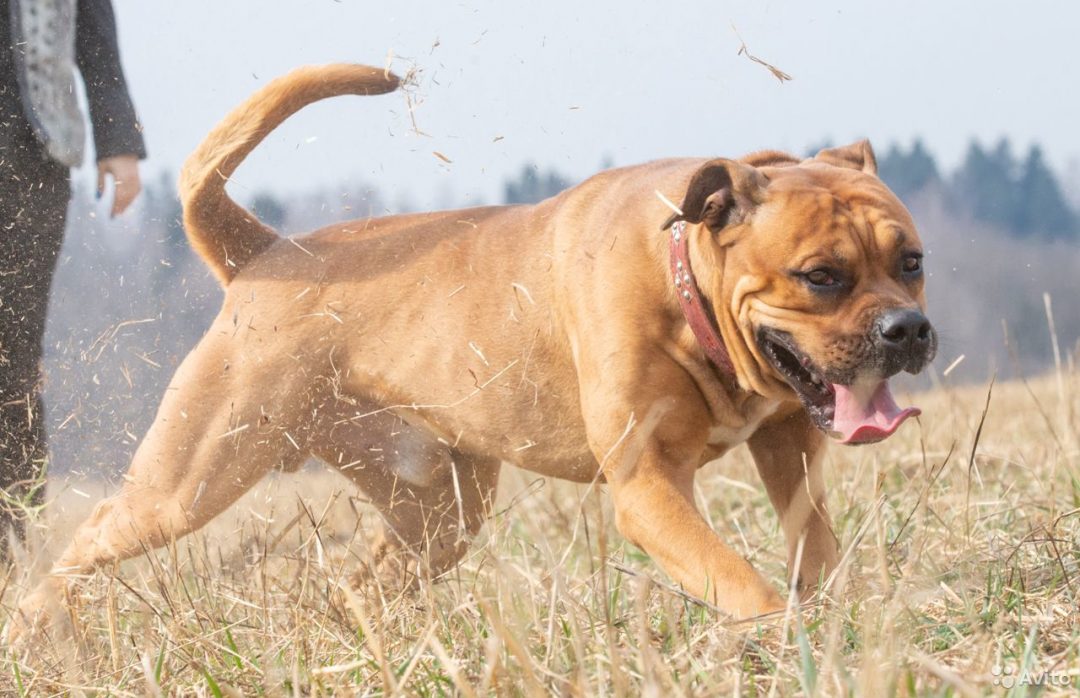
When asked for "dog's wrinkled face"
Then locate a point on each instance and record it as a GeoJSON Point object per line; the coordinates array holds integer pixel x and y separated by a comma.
{"type": "Point", "coordinates": [821, 277]}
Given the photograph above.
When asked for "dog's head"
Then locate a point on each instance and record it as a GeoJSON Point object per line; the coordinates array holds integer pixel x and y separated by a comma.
{"type": "Point", "coordinates": [814, 271]}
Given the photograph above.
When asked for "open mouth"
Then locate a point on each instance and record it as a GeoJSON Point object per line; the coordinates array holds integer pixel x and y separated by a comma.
{"type": "Point", "coordinates": [799, 372]}
{"type": "Point", "coordinates": [859, 413]}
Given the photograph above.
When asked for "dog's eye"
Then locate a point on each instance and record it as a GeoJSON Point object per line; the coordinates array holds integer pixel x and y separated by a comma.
{"type": "Point", "coordinates": [821, 277]}
{"type": "Point", "coordinates": [912, 264]}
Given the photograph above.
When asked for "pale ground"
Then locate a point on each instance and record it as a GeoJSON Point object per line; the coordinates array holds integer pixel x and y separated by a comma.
{"type": "Point", "coordinates": [954, 566]}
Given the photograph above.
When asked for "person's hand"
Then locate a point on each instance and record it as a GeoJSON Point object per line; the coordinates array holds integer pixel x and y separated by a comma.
{"type": "Point", "coordinates": [126, 185]}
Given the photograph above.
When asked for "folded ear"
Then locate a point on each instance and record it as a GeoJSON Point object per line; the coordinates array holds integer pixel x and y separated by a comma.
{"type": "Point", "coordinates": [721, 192]}
{"type": "Point", "coordinates": [857, 156]}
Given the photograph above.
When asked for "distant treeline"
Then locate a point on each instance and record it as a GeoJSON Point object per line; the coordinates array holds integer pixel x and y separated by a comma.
{"type": "Point", "coordinates": [532, 185]}
{"type": "Point", "coordinates": [1020, 196]}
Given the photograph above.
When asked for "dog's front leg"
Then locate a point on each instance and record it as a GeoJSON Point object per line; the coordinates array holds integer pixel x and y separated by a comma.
{"type": "Point", "coordinates": [650, 469]}
{"type": "Point", "coordinates": [789, 457]}
{"type": "Point", "coordinates": [654, 509]}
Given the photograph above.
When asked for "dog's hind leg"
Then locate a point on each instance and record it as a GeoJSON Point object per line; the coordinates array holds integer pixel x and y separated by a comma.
{"type": "Point", "coordinates": [426, 529]}
{"type": "Point", "coordinates": [227, 418]}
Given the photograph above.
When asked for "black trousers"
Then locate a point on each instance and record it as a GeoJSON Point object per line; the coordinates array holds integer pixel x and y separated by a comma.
{"type": "Point", "coordinates": [34, 193]}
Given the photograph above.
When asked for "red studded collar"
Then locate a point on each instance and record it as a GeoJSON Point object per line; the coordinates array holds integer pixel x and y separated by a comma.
{"type": "Point", "coordinates": [698, 315]}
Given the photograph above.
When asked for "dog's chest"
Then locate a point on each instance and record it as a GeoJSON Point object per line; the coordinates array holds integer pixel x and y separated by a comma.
{"type": "Point", "coordinates": [727, 435]}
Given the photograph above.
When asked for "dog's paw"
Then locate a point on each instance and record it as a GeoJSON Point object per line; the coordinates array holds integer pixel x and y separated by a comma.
{"type": "Point", "coordinates": [28, 620]}
{"type": "Point", "coordinates": [763, 605]}
{"type": "Point", "coordinates": [774, 604]}
{"type": "Point", "coordinates": [37, 614]}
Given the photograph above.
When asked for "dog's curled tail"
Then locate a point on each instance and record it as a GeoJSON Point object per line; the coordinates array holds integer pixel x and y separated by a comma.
{"type": "Point", "coordinates": [224, 234]}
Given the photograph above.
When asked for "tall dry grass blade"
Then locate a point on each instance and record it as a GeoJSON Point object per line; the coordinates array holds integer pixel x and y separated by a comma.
{"type": "Point", "coordinates": [1056, 347]}
{"type": "Point", "coordinates": [971, 459]}
{"type": "Point", "coordinates": [531, 683]}
{"type": "Point", "coordinates": [147, 668]}
{"type": "Point", "coordinates": [110, 615]}
{"type": "Point", "coordinates": [372, 638]}
{"type": "Point", "coordinates": [452, 668]}
{"type": "Point", "coordinates": [947, 675]}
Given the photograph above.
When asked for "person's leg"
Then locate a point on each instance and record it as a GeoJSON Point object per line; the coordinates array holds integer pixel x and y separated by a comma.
{"type": "Point", "coordinates": [34, 195]}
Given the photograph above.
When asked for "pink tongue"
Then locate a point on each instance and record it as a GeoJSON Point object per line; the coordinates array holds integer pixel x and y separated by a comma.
{"type": "Point", "coordinates": [866, 414]}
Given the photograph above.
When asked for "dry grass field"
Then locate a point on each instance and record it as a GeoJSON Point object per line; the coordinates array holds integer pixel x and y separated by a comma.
{"type": "Point", "coordinates": [960, 576]}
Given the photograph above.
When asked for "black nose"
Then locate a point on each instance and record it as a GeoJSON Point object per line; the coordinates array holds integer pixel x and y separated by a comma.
{"type": "Point", "coordinates": [906, 339]}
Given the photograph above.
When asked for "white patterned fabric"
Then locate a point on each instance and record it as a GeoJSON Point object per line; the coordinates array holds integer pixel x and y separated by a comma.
{"type": "Point", "coordinates": [43, 37]}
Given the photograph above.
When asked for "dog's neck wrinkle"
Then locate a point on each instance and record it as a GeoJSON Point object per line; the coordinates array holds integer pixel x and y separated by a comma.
{"type": "Point", "coordinates": [709, 262]}
{"type": "Point", "coordinates": [754, 366]}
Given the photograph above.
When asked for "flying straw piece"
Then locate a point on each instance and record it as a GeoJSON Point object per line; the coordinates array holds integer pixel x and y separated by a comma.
{"type": "Point", "coordinates": [667, 202]}
{"type": "Point", "coordinates": [744, 51]}
{"type": "Point", "coordinates": [954, 364]}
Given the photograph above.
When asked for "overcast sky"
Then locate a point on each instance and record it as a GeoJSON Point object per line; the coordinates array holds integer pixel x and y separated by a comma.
{"type": "Point", "coordinates": [566, 83]}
